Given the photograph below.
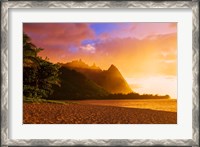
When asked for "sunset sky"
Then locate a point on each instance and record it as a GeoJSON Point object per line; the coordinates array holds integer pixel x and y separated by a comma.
{"type": "Point", "coordinates": [145, 53]}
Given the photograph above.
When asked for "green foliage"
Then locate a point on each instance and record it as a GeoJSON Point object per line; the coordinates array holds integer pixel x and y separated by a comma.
{"type": "Point", "coordinates": [75, 85]}
{"type": "Point", "coordinates": [30, 53]}
{"type": "Point", "coordinates": [47, 77]}
{"type": "Point", "coordinates": [38, 75]}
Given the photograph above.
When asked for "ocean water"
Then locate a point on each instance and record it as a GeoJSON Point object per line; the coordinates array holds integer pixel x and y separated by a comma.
{"type": "Point", "coordinates": [154, 104]}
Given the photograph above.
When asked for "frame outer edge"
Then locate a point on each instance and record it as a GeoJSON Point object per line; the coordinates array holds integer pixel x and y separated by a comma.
{"type": "Point", "coordinates": [4, 73]}
{"type": "Point", "coordinates": [195, 69]}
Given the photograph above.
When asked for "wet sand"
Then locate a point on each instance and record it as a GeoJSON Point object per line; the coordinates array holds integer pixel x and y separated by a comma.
{"type": "Point", "coordinates": [48, 113]}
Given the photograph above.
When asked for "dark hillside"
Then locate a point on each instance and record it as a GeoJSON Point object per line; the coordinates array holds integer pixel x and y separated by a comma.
{"type": "Point", "coordinates": [75, 85]}
{"type": "Point", "coordinates": [111, 80]}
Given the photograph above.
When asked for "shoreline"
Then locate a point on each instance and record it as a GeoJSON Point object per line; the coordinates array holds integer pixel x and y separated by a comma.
{"type": "Point", "coordinates": [152, 104]}
{"type": "Point", "coordinates": [47, 113]}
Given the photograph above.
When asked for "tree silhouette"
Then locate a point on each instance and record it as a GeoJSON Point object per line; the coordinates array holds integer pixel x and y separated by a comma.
{"type": "Point", "coordinates": [38, 75]}
{"type": "Point", "coordinates": [30, 52]}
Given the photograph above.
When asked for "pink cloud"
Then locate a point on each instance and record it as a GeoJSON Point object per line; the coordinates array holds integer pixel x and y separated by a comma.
{"type": "Point", "coordinates": [52, 35]}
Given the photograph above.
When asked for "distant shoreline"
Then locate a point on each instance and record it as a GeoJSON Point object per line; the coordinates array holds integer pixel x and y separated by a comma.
{"type": "Point", "coordinates": [152, 104]}
{"type": "Point", "coordinates": [106, 98]}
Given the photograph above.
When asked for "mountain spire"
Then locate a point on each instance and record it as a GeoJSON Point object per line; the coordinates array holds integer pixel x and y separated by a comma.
{"type": "Point", "coordinates": [112, 67]}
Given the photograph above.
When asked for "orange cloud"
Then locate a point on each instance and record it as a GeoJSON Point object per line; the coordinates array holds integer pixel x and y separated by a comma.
{"type": "Point", "coordinates": [140, 57]}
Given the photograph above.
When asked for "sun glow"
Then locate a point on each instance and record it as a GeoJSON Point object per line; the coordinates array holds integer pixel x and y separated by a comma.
{"type": "Point", "coordinates": [145, 53]}
{"type": "Point", "coordinates": [154, 85]}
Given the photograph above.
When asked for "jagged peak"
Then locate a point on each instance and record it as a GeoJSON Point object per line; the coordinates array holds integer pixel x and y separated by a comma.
{"type": "Point", "coordinates": [81, 64]}
{"type": "Point", "coordinates": [114, 70]}
{"type": "Point", "coordinates": [94, 66]}
{"type": "Point", "coordinates": [112, 67]}
{"type": "Point", "coordinates": [77, 63]}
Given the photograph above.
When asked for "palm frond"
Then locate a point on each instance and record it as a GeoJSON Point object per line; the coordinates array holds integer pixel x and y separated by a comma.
{"type": "Point", "coordinates": [29, 61]}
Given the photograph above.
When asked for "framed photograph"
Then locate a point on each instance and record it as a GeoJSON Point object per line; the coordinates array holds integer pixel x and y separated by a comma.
{"type": "Point", "coordinates": [99, 73]}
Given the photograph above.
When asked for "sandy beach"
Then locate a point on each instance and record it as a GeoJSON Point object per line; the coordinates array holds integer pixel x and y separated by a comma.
{"type": "Point", "coordinates": [48, 113]}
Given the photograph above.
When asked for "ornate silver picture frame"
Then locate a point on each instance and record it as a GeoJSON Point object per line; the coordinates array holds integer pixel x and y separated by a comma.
{"type": "Point", "coordinates": [5, 130]}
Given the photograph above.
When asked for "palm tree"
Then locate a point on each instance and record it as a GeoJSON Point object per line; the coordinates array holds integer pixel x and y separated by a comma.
{"type": "Point", "coordinates": [30, 51]}
{"type": "Point", "coordinates": [38, 75]}
{"type": "Point", "coordinates": [31, 61]}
